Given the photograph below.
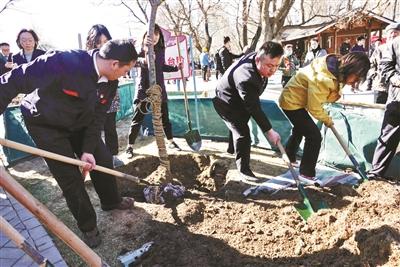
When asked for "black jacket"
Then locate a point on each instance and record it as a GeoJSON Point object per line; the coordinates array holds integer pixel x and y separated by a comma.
{"type": "Point", "coordinates": [227, 58]}
{"type": "Point", "coordinates": [239, 91]}
{"type": "Point", "coordinates": [19, 58]}
{"type": "Point", "coordinates": [62, 92]}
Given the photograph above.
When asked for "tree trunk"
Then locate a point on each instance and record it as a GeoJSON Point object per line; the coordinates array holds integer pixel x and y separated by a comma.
{"type": "Point", "coordinates": [245, 19]}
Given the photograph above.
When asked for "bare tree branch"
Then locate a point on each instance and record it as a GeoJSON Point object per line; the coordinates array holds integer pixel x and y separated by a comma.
{"type": "Point", "coordinates": [7, 5]}
{"type": "Point", "coordinates": [134, 13]}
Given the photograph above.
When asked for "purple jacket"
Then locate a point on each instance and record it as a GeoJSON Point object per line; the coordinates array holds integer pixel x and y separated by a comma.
{"type": "Point", "coordinates": [161, 67]}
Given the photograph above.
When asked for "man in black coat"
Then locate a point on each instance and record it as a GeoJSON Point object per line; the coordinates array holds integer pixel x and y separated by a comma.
{"type": "Point", "coordinates": [226, 55]}
{"type": "Point", "coordinates": [67, 96]}
{"type": "Point", "coordinates": [389, 139]}
{"type": "Point", "coordinates": [238, 98]}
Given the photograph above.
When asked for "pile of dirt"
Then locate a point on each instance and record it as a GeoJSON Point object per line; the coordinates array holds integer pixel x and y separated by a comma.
{"type": "Point", "coordinates": [215, 225]}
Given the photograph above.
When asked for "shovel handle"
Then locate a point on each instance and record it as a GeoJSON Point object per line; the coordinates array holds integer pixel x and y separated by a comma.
{"type": "Point", "coordinates": [341, 141]}
{"type": "Point", "coordinates": [349, 154]}
{"type": "Point", "coordinates": [21, 243]}
{"type": "Point", "coordinates": [54, 156]}
{"type": "Point", "coordinates": [286, 159]}
{"type": "Point", "coordinates": [184, 85]}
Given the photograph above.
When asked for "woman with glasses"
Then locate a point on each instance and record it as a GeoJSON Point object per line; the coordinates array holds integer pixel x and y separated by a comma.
{"type": "Point", "coordinates": [27, 41]}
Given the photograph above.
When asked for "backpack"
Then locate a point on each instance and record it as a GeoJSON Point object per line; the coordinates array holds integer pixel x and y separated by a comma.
{"type": "Point", "coordinates": [218, 60]}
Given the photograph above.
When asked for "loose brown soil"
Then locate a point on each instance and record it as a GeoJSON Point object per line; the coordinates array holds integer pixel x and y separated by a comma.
{"type": "Point", "coordinates": [214, 225]}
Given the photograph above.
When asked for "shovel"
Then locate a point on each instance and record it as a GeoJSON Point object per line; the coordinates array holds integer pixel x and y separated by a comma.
{"type": "Point", "coordinates": [305, 209]}
{"type": "Point", "coordinates": [192, 137]}
{"type": "Point", "coordinates": [360, 171]}
{"type": "Point", "coordinates": [54, 156]}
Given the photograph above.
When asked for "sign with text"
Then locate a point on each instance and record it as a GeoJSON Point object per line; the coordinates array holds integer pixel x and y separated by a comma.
{"type": "Point", "coordinates": [172, 56]}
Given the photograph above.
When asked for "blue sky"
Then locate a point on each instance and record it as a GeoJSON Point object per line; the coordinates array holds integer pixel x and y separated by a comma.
{"type": "Point", "coordinates": [59, 22]}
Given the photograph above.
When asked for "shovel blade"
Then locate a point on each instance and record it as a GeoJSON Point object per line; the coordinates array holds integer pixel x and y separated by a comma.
{"type": "Point", "coordinates": [193, 139]}
{"type": "Point", "coordinates": [304, 211]}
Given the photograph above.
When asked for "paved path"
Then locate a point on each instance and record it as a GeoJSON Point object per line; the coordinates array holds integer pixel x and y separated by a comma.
{"type": "Point", "coordinates": [29, 227]}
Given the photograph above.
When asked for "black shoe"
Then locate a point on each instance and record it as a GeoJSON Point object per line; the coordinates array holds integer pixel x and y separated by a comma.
{"type": "Point", "coordinates": [174, 146]}
{"type": "Point", "coordinates": [92, 238]}
{"type": "Point", "coordinates": [129, 152]}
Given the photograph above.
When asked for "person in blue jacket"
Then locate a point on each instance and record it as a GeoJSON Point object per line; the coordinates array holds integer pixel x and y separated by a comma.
{"type": "Point", "coordinates": [67, 96]}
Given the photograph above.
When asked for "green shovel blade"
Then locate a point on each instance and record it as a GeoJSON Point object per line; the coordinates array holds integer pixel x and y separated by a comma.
{"type": "Point", "coordinates": [193, 139]}
{"type": "Point", "coordinates": [305, 209]}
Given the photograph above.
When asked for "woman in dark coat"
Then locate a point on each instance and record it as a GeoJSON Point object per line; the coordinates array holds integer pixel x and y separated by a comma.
{"type": "Point", "coordinates": [27, 41]}
{"type": "Point", "coordinates": [144, 84]}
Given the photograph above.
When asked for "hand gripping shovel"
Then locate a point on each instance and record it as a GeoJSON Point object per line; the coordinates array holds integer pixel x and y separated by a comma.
{"type": "Point", "coordinates": [54, 156]}
{"type": "Point", "coordinates": [349, 154]}
{"type": "Point", "coordinates": [192, 136]}
{"type": "Point", "coordinates": [305, 209]}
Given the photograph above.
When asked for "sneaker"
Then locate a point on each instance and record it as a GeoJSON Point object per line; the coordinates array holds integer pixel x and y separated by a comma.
{"type": "Point", "coordinates": [307, 180]}
{"type": "Point", "coordinates": [129, 152]}
{"type": "Point", "coordinates": [125, 204]}
{"type": "Point", "coordinates": [92, 238]}
{"type": "Point", "coordinates": [117, 162]}
{"type": "Point", "coordinates": [174, 146]}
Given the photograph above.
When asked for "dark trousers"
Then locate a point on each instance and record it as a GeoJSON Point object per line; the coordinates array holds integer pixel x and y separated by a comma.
{"type": "Point", "coordinates": [239, 135]}
{"type": "Point", "coordinates": [204, 72]}
{"type": "Point", "coordinates": [110, 133]}
{"type": "Point", "coordinates": [388, 140]}
{"type": "Point", "coordinates": [303, 125]}
{"type": "Point", "coordinates": [381, 97]}
{"type": "Point", "coordinates": [69, 178]}
{"type": "Point", "coordinates": [138, 118]}
{"type": "Point", "coordinates": [285, 80]}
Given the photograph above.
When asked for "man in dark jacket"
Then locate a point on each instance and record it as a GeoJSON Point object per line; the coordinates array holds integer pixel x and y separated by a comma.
{"type": "Point", "coordinates": [237, 99]}
{"type": "Point", "coordinates": [67, 96]}
{"type": "Point", "coordinates": [226, 56]}
{"type": "Point", "coordinates": [389, 138]}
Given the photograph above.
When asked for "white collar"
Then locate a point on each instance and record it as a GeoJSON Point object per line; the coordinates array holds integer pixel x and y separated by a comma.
{"type": "Point", "coordinates": [102, 79]}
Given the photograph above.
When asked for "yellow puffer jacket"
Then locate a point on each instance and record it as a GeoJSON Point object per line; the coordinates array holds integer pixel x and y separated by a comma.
{"type": "Point", "coordinates": [310, 88]}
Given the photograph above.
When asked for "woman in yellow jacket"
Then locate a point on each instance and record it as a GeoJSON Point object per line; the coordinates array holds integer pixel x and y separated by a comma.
{"type": "Point", "coordinates": [304, 95]}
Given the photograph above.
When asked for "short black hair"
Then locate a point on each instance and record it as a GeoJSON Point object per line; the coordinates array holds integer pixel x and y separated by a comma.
{"type": "Point", "coordinates": [93, 37]}
{"type": "Point", "coordinates": [273, 49]}
{"type": "Point", "coordinates": [35, 37]}
{"type": "Point", "coordinates": [119, 49]}
{"type": "Point", "coordinates": [361, 37]}
{"type": "Point", "coordinates": [4, 44]}
{"type": "Point", "coordinates": [226, 39]}
{"type": "Point", "coordinates": [354, 63]}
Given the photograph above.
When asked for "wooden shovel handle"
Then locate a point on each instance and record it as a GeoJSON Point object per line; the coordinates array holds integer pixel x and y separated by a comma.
{"type": "Point", "coordinates": [49, 219]}
{"type": "Point", "coordinates": [341, 141]}
{"type": "Point", "coordinates": [54, 156]}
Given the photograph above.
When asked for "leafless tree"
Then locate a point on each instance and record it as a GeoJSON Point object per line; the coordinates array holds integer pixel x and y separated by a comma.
{"type": "Point", "coordinates": [137, 8]}
{"type": "Point", "coordinates": [193, 18]}
{"type": "Point", "coordinates": [8, 5]}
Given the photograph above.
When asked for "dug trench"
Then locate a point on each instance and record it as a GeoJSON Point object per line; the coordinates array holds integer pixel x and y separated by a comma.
{"type": "Point", "coordinates": [214, 225]}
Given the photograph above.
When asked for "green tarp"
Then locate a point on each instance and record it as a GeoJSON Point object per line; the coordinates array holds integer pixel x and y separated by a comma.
{"type": "Point", "coordinates": [360, 127]}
